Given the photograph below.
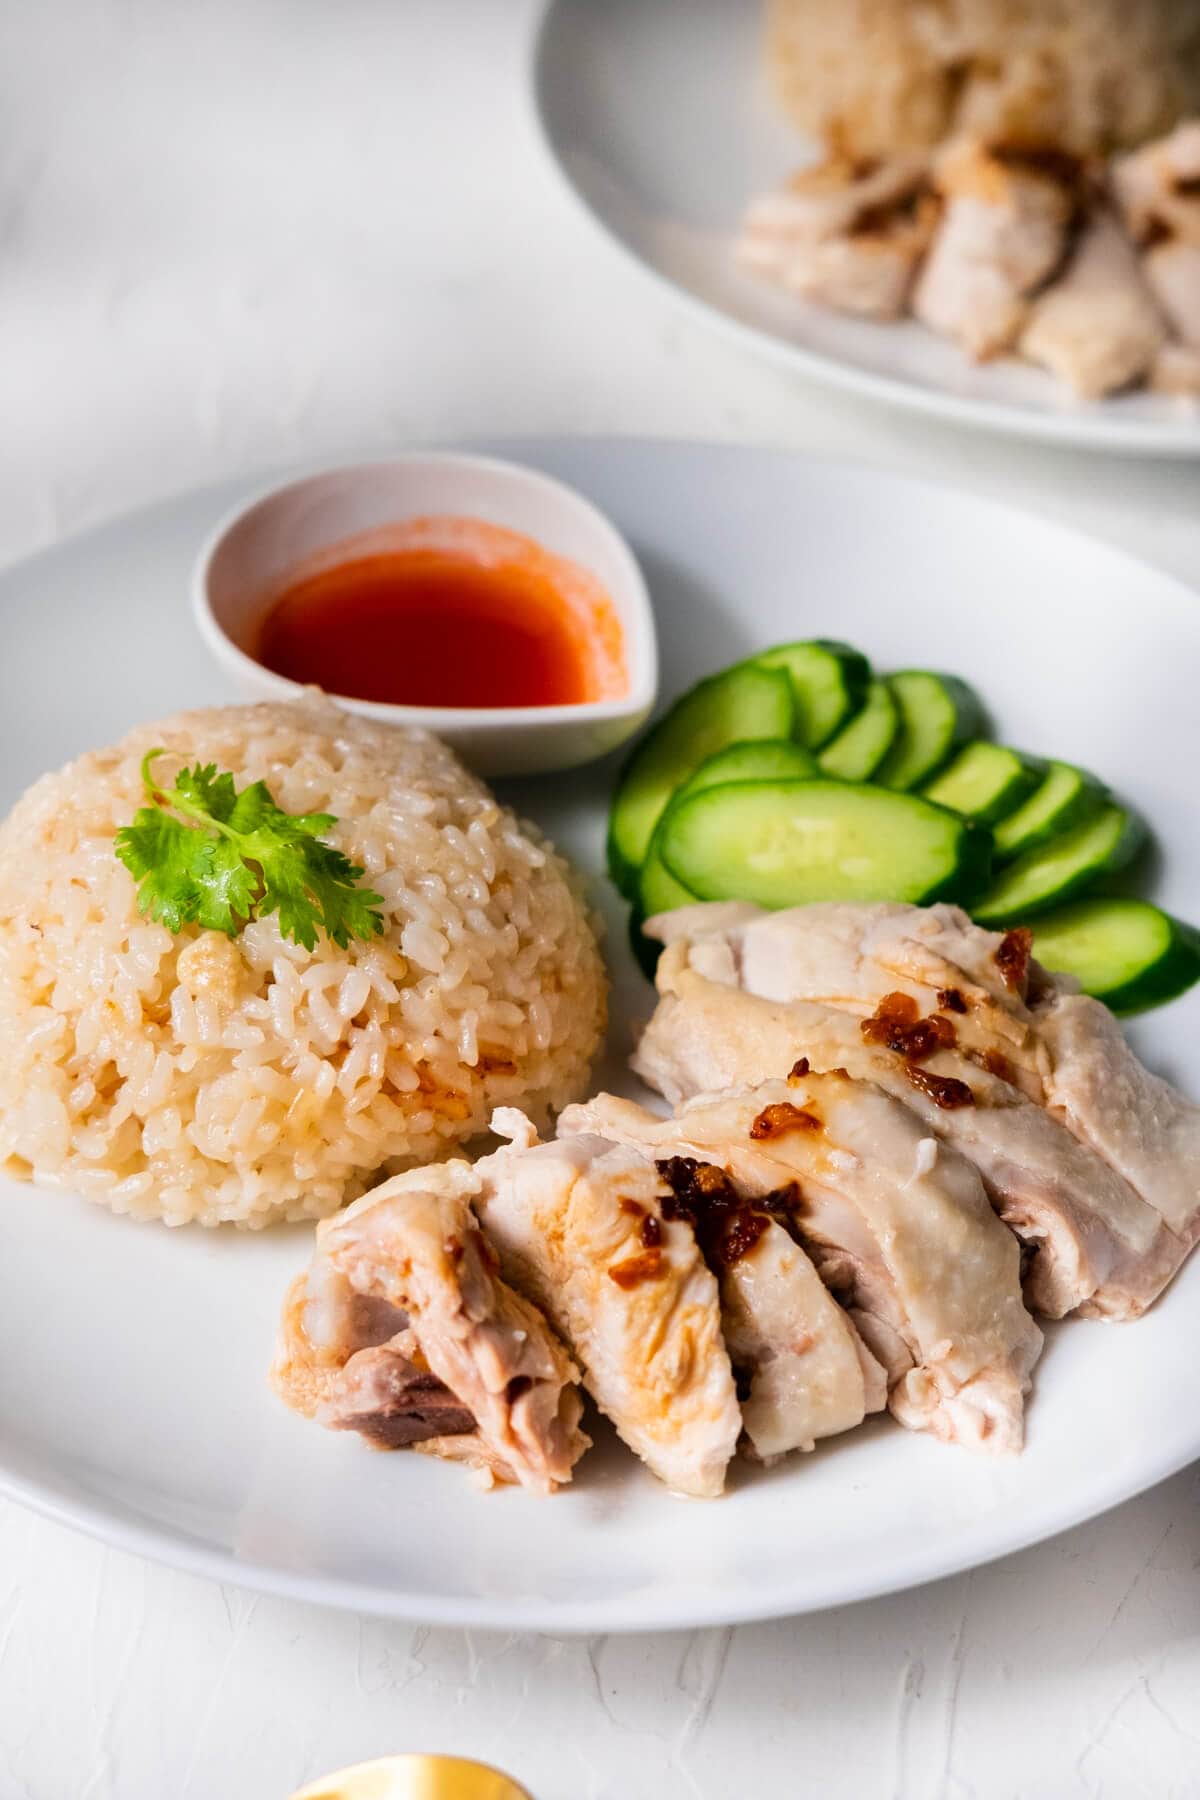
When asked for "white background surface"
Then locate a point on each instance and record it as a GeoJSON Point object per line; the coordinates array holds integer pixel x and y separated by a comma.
{"type": "Point", "coordinates": [240, 233]}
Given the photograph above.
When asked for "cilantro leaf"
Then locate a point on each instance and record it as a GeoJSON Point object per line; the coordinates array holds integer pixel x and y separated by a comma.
{"type": "Point", "coordinates": [235, 856]}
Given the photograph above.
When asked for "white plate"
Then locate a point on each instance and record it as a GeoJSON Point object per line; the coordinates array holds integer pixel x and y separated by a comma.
{"type": "Point", "coordinates": [657, 114]}
{"type": "Point", "coordinates": [133, 1399]}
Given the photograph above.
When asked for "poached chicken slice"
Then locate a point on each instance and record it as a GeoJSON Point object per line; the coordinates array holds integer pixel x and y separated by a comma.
{"type": "Point", "coordinates": [579, 1227]}
{"type": "Point", "coordinates": [1158, 191]}
{"type": "Point", "coordinates": [853, 957]}
{"type": "Point", "coordinates": [1098, 328]}
{"type": "Point", "coordinates": [824, 201]}
{"type": "Point", "coordinates": [1173, 272]}
{"type": "Point", "coordinates": [848, 235]}
{"type": "Point", "coordinates": [808, 1373]}
{"type": "Point", "coordinates": [898, 1225]}
{"type": "Point", "coordinates": [1157, 188]}
{"type": "Point", "coordinates": [1003, 232]}
{"type": "Point", "coordinates": [402, 1330]}
{"type": "Point", "coordinates": [1138, 1123]}
{"type": "Point", "coordinates": [1006, 1014]}
{"type": "Point", "coordinates": [1094, 1244]}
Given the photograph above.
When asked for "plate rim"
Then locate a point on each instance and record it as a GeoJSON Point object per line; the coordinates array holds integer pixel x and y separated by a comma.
{"type": "Point", "coordinates": [1079, 430]}
{"type": "Point", "coordinates": [112, 1524]}
{"type": "Point", "coordinates": [175, 1550]}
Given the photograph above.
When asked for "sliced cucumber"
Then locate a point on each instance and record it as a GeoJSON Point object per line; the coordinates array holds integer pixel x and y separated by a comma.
{"type": "Point", "coordinates": [985, 782]}
{"type": "Point", "coordinates": [829, 681]}
{"type": "Point", "coordinates": [937, 714]}
{"type": "Point", "coordinates": [744, 702]}
{"type": "Point", "coordinates": [786, 843]}
{"type": "Point", "coordinates": [1066, 797]}
{"type": "Point", "coordinates": [759, 759]}
{"type": "Point", "coordinates": [756, 759]}
{"type": "Point", "coordinates": [658, 891]}
{"type": "Point", "coordinates": [1126, 952]}
{"type": "Point", "coordinates": [861, 745]}
{"type": "Point", "coordinates": [1064, 866]}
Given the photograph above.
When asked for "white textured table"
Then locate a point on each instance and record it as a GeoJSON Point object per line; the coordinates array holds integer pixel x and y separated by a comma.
{"type": "Point", "coordinates": [243, 232]}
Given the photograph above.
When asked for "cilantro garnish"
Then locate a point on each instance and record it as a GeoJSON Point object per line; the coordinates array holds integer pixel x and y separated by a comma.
{"type": "Point", "coordinates": [230, 857]}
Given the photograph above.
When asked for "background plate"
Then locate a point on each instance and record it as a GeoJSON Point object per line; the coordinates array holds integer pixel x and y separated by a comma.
{"type": "Point", "coordinates": [133, 1399]}
{"type": "Point", "coordinates": [659, 118]}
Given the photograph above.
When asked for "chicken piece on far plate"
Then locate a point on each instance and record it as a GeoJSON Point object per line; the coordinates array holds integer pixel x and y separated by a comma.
{"type": "Point", "coordinates": [1177, 371]}
{"type": "Point", "coordinates": [1158, 191]}
{"type": "Point", "coordinates": [1157, 188]}
{"type": "Point", "coordinates": [1098, 328]}
{"type": "Point", "coordinates": [847, 235]}
{"type": "Point", "coordinates": [580, 1229]}
{"type": "Point", "coordinates": [402, 1331]}
{"type": "Point", "coordinates": [1004, 231]}
{"type": "Point", "coordinates": [744, 993]}
{"type": "Point", "coordinates": [1173, 273]}
{"type": "Point", "coordinates": [898, 1225]}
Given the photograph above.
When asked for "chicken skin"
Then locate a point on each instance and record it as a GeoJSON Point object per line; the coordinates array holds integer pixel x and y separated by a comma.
{"type": "Point", "coordinates": [402, 1331]}
{"type": "Point", "coordinates": [806, 1371]}
{"type": "Point", "coordinates": [1099, 327]}
{"type": "Point", "coordinates": [1003, 233]}
{"type": "Point", "coordinates": [846, 235]}
{"type": "Point", "coordinates": [580, 1229]}
{"type": "Point", "coordinates": [898, 1225]}
{"type": "Point", "coordinates": [742, 999]}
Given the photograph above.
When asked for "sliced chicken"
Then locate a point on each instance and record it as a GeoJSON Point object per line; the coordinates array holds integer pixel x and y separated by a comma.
{"type": "Point", "coordinates": [853, 957]}
{"type": "Point", "coordinates": [808, 1373]}
{"type": "Point", "coordinates": [1098, 328]}
{"type": "Point", "coordinates": [1138, 1123]}
{"type": "Point", "coordinates": [1157, 188]}
{"type": "Point", "coordinates": [899, 1226]}
{"type": "Point", "coordinates": [1002, 1016]}
{"type": "Point", "coordinates": [870, 271]}
{"type": "Point", "coordinates": [1003, 232]}
{"type": "Point", "coordinates": [402, 1330]}
{"type": "Point", "coordinates": [727, 1016]}
{"type": "Point", "coordinates": [388, 1393]}
{"type": "Point", "coordinates": [805, 1371]}
{"type": "Point", "coordinates": [846, 235]}
{"type": "Point", "coordinates": [580, 1228]}
{"type": "Point", "coordinates": [1173, 272]}
{"type": "Point", "coordinates": [826, 200]}
{"type": "Point", "coordinates": [1158, 191]}
{"type": "Point", "coordinates": [1177, 371]}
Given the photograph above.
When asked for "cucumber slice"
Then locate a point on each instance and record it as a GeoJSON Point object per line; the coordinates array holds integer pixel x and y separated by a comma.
{"type": "Point", "coordinates": [756, 759]}
{"type": "Point", "coordinates": [860, 746]}
{"type": "Point", "coordinates": [1067, 796]}
{"type": "Point", "coordinates": [786, 843]}
{"type": "Point", "coordinates": [761, 759]}
{"type": "Point", "coordinates": [829, 681]}
{"type": "Point", "coordinates": [985, 782]}
{"type": "Point", "coordinates": [1062, 867]}
{"type": "Point", "coordinates": [743, 702]}
{"type": "Point", "coordinates": [1127, 953]}
{"type": "Point", "coordinates": [937, 714]}
{"type": "Point", "coordinates": [658, 891]}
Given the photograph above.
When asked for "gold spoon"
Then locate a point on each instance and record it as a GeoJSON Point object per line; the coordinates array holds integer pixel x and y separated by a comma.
{"type": "Point", "coordinates": [415, 1778]}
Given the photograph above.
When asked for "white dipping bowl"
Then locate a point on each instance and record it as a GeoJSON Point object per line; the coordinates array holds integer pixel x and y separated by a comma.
{"type": "Point", "coordinates": [259, 549]}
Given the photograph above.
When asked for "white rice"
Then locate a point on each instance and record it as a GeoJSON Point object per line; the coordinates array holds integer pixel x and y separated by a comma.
{"type": "Point", "coordinates": [203, 1078]}
{"type": "Point", "coordinates": [876, 76]}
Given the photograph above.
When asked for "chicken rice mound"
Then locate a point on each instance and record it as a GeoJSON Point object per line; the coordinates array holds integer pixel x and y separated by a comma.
{"type": "Point", "coordinates": [873, 77]}
{"type": "Point", "coordinates": [198, 1077]}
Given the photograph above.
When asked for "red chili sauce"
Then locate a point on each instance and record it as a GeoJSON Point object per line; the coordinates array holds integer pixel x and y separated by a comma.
{"type": "Point", "coordinates": [489, 621]}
